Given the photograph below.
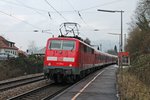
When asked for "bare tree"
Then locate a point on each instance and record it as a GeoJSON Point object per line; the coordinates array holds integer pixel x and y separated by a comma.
{"type": "Point", "coordinates": [32, 48]}
{"type": "Point", "coordinates": [143, 15]}
{"type": "Point", "coordinates": [139, 33]}
{"type": "Point", "coordinates": [87, 40]}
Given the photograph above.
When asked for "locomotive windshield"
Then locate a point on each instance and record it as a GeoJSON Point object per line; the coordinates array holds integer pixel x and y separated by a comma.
{"type": "Point", "coordinates": [62, 45]}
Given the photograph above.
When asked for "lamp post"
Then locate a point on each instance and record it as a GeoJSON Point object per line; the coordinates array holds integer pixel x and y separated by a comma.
{"type": "Point", "coordinates": [121, 12]}
{"type": "Point", "coordinates": [44, 31]}
{"type": "Point", "coordinates": [121, 41]}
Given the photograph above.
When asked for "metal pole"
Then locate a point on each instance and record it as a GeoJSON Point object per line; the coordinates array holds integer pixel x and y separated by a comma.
{"type": "Point", "coordinates": [125, 41]}
{"type": "Point", "coordinates": [121, 31]}
{"type": "Point", "coordinates": [121, 67]}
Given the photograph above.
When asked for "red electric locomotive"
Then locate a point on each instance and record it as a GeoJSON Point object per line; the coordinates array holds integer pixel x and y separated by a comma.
{"type": "Point", "coordinates": [69, 59]}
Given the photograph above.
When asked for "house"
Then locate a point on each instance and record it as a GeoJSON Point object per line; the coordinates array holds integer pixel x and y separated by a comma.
{"type": "Point", "coordinates": [7, 48]}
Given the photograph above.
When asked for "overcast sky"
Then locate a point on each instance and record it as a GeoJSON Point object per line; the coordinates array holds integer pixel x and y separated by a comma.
{"type": "Point", "coordinates": [19, 18]}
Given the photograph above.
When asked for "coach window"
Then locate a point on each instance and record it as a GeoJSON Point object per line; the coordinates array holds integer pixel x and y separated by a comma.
{"type": "Point", "coordinates": [92, 51]}
{"type": "Point", "coordinates": [82, 47]}
{"type": "Point", "coordinates": [55, 44]}
{"type": "Point", "coordinates": [89, 50]}
{"type": "Point", "coordinates": [85, 48]}
{"type": "Point", "coordinates": [102, 57]}
{"type": "Point", "coordinates": [99, 57]}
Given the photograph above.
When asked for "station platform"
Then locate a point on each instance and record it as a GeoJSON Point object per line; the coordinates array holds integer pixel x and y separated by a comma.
{"type": "Point", "coordinates": [100, 86]}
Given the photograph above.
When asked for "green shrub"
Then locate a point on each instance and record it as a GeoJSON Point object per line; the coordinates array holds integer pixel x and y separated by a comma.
{"type": "Point", "coordinates": [141, 68]}
{"type": "Point", "coordinates": [20, 66]}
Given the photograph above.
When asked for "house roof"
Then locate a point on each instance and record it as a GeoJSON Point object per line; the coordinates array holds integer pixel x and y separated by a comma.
{"type": "Point", "coordinates": [5, 44]}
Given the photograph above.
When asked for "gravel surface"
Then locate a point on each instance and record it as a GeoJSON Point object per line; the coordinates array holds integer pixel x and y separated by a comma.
{"type": "Point", "coordinates": [21, 77]}
{"type": "Point", "coordinates": [19, 90]}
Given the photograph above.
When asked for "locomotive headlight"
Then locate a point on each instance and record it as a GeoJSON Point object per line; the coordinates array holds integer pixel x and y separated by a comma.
{"type": "Point", "coordinates": [70, 65]}
{"type": "Point", "coordinates": [49, 64]}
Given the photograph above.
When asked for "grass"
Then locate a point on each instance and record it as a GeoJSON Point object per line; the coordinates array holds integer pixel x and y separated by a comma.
{"type": "Point", "coordinates": [131, 88]}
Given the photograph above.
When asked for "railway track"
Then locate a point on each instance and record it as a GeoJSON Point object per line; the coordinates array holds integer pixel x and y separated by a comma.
{"type": "Point", "coordinates": [43, 93]}
{"type": "Point", "coordinates": [46, 92]}
{"type": "Point", "coordinates": [19, 82]}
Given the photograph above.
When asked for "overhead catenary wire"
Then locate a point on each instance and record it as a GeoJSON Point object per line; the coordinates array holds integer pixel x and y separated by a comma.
{"type": "Point", "coordinates": [49, 15]}
{"type": "Point", "coordinates": [56, 10]}
{"type": "Point", "coordinates": [37, 10]}
{"type": "Point", "coordinates": [79, 14]}
{"type": "Point", "coordinates": [82, 18]}
{"type": "Point", "coordinates": [69, 11]}
{"type": "Point", "coordinates": [33, 9]}
{"type": "Point", "coordinates": [76, 11]}
{"type": "Point", "coordinates": [71, 6]}
{"type": "Point", "coordinates": [108, 3]}
{"type": "Point", "coordinates": [20, 19]}
{"type": "Point", "coordinates": [26, 6]}
{"type": "Point", "coordinates": [85, 22]}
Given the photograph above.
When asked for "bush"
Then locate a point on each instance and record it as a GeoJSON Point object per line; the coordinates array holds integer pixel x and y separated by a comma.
{"type": "Point", "coordinates": [141, 68]}
{"type": "Point", "coordinates": [20, 66]}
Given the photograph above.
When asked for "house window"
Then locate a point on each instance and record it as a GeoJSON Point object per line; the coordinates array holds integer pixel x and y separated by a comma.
{"type": "Point", "coordinates": [11, 45]}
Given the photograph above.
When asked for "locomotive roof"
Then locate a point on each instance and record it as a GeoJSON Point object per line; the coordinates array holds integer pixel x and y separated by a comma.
{"type": "Point", "coordinates": [72, 38]}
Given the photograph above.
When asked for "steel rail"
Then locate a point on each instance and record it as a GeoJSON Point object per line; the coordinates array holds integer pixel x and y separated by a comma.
{"type": "Point", "coordinates": [42, 93]}
{"type": "Point", "coordinates": [15, 83]}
